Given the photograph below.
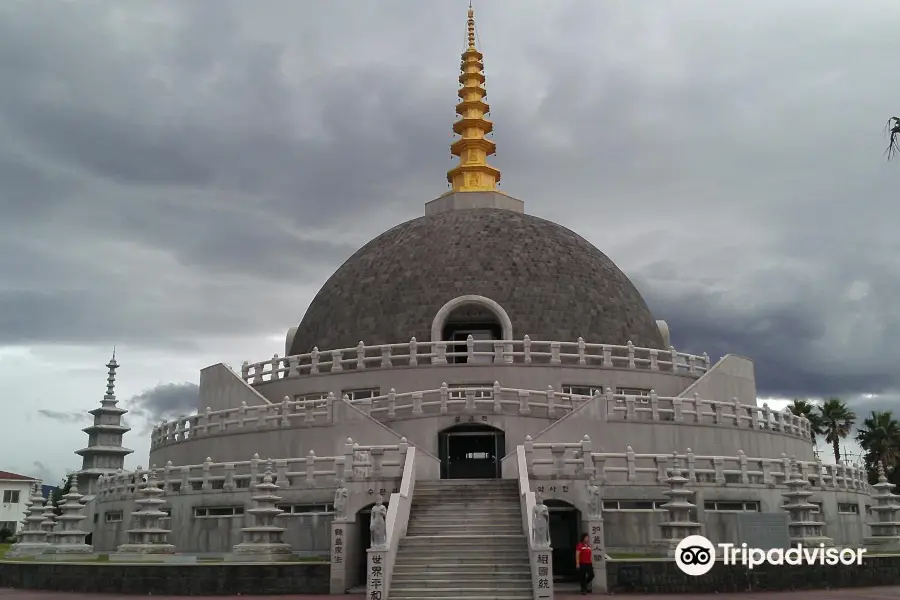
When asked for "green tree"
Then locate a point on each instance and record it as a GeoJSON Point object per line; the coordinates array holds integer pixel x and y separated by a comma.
{"type": "Point", "coordinates": [801, 407]}
{"type": "Point", "coordinates": [56, 497]}
{"type": "Point", "coordinates": [837, 420]}
{"type": "Point", "coordinates": [879, 436]}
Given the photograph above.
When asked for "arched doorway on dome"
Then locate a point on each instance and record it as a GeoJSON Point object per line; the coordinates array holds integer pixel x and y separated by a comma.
{"type": "Point", "coordinates": [471, 451]}
{"type": "Point", "coordinates": [475, 316]}
{"type": "Point", "coordinates": [565, 529]}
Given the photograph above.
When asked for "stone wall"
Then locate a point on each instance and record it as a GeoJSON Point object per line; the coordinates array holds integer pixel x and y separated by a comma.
{"type": "Point", "coordinates": [173, 580]}
{"type": "Point", "coordinates": [663, 576]}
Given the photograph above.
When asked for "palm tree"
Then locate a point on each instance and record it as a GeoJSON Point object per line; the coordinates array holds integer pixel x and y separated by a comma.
{"type": "Point", "coordinates": [879, 436]}
{"type": "Point", "coordinates": [801, 407]}
{"type": "Point", "coordinates": [837, 420]}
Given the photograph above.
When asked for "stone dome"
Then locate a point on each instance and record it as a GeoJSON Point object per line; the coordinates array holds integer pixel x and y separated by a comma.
{"type": "Point", "coordinates": [552, 283]}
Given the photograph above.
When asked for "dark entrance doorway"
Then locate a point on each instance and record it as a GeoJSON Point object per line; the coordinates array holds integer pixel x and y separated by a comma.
{"type": "Point", "coordinates": [475, 320]}
{"type": "Point", "coordinates": [471, 451]}
{"type": "Point", "coordinates": [364, 536]}
{"type": "Point", "coordinates": [565, 525]}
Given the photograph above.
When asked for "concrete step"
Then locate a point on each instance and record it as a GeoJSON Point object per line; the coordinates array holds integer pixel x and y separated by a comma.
{"type": "Point", "coordinates": [441, 500]}
{"type": "Point", "coordinates": [451, 483]}
{"type": "Point", "coordinates": [467, 583]}
{"type": "Point", "coordinates": [463, 539]}
{"type": "Point", "coordinates": [475, 569]}
{"type": "Point", "coordinates": [464, 557]}
{"type": "Point", "coordinates": [479, 596]}
{"type": "Point", "coordinates": [464, 529]}
{"type": "Point", "coordinates": [497, 593]}
{"type": "Point", "coordinates": [448, 515]}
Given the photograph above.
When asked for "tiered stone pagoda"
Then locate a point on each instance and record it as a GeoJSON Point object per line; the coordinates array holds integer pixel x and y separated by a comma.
{"type": "Point", "coordinates": [70, 533]}
{"type": "Point", "coordinates": [104, 453]}
{"type": "Point", "coordinates": [886, 526]}
{"type": "Point", "coordinates": [32, 538]}
{"type": "Point", "coordinates": [147, 539]}
{"type": "Point", "coordinates": [264, 540]}
{"type": "Point", "coordinates": [803, 527]}
{"type": "Point", "coordinates": [678, 524]}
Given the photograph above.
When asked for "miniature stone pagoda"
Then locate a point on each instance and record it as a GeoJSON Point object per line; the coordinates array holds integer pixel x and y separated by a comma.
{"type": "Point", "coordinates": [32, 537]}
{"type": "Point", "coordinates": [264, 540]}
{"type": "Point", "coordinates": [886, 526]}
{"type": "Point", "coordinates": [147, 540]}
{"type": "Point", "coordinates": [70, 533]}
{"type": "Point", "coordinates": [678, 524]}
{"type": "Point", "coordinates": [803, 528]}
{"type": "Point", "coordinates": [48, 525]}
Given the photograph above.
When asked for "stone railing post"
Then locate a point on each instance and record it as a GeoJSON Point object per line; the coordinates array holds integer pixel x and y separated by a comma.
{"type": "Point", "coordinates": [413, 352]}
{"type": "Point", "coordinates": [524, 407]}
{"type": "Point", "coordinates": [445, 395]}
{"type": "Point", "coordinates": [526, 350]}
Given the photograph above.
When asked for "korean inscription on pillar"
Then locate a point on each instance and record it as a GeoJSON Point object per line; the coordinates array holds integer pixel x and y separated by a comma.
{"type": "Point", "coordinates": [543, 561]}
{"type": "Point", "coordinates": [597, 543]}
{"type": "Point", "coordinates": [337, 553]}
{"type": "Point", "coordinates": [376, 579]}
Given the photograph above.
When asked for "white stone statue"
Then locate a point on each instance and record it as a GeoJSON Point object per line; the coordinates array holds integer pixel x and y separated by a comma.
{"type": "Point", "coordinates": [377, 524]}
{"type": "Point", "coordinates": [594, 501]}
{"type": "Point", "coordinates": [540, 523]}
{"type": "Point", "coordinates": [341, 494]}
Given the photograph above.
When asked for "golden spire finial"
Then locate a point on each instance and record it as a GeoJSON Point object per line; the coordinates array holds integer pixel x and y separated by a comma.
{"type": "Point", "coordinates": [470, 24]}
{"type": "Point", "coordinates": [473, 174]}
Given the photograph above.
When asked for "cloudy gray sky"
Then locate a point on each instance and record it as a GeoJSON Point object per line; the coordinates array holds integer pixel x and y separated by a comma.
{"type": "Point", "coordinates": [178, 178]}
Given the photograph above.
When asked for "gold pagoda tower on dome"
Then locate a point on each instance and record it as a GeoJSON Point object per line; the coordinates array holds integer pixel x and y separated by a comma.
{"type": "Point", "coordinates": [473, 173]}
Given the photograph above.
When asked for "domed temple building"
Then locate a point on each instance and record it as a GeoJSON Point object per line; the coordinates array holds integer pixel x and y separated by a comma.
{"type": "Point", "coordinates": [469, 393]}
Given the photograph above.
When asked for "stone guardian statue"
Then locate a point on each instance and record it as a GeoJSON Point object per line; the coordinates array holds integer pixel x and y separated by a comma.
{"type": "Point", "coordinates": [378, 525]}
{"type": "Point", "coordinates": [341, 494]}
{"type": "Point", "coordinates": [540, 523]}
{"type": "Point", "coordinates": [594, 501]}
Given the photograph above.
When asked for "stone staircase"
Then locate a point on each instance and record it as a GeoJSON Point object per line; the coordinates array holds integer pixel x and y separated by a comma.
{"type": "Point", "coordinates": [464, 540]}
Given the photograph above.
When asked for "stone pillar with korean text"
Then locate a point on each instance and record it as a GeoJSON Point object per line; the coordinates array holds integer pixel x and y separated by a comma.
{"type": "Point", "coordinates": [375, 574]}
{"type": "Point", "coordinates": [594, 524]}
{"type": "Point", "coordinates": [541, 552]}
{"type": "Point", "coordinates": [343, 537]}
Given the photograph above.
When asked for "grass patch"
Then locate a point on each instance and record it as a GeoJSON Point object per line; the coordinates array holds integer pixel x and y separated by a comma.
{"type": "Point", "coordinates": [4, 548]}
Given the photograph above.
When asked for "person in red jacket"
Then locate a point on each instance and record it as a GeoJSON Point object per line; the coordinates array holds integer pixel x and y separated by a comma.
{"type": "Point", "coordinates": [584, 564]}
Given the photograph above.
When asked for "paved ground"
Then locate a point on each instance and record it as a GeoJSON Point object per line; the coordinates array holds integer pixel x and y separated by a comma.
{"type": "Point", "coordinates": [881, 593]}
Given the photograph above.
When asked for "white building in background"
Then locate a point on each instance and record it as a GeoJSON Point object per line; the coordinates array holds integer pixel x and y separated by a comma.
{"type": "Point", "coordinates": [15, 490]}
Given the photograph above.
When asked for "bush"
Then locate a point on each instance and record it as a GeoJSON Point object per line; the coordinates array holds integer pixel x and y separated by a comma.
{"type": "Point", "coordinates": [6, 535]}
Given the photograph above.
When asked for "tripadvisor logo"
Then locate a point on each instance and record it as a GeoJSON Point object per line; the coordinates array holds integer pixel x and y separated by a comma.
{"type": "Point", "coordinates": [695, 555]}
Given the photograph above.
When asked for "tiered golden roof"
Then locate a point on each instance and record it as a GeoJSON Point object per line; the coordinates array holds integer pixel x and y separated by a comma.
{"type": "Point", "coordinates": [473, 174]}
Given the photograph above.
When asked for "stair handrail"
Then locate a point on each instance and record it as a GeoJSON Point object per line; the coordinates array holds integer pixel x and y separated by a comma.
{"type": "Point", "coordinates": [397, 520]}
{"type": "Point", "coordinates": [527, 501]}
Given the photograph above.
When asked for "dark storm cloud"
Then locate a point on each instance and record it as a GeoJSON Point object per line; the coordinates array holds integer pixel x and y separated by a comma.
{"type": "Point", "coordinates": [64, 417]}
{"type": "Point", "coordinates": [180, 171]}
{"type": "Point", "coordinates": [164, 401]}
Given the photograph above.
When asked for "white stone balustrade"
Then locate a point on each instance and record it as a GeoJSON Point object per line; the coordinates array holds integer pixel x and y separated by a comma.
{"type": "Point", "coordinates": [479, 400]}
{"type": "Point", "coordinates": [525, 351]}
{"type": "Point", "coordinates": [358, 463]}
{"type": "Point", "coordinates": [577, 461]}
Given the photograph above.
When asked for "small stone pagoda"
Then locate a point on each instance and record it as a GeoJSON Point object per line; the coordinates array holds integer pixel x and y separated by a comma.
{"type": "Point", "coordinates": [886, 526]}
{"type": "Point", "coordinates": [70, 534]}
{"type": "Point", "coordinates": [32, 537]}
{"type": "Point", "coordinates": [263, 541]}
{"type": "Point", "coordinates": [679, 523]}
{"type": "Point", "coordinates": [803, 527]}
{"type": "Point", "coordinates": [148, 539]}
